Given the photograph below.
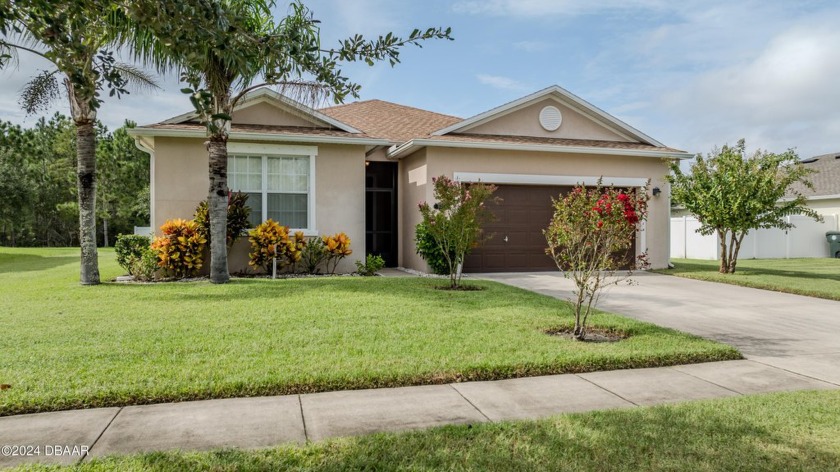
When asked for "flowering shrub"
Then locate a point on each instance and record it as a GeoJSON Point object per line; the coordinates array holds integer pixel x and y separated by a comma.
{"type": "Point", "coordinates": [337, 247]}
{"type": "Point", "coordinates": [180, 250]}
{"type": "Point", "coordinates": [589, 237]}
{"type": "Point", "coordinates": [455, 222]}
{"type": "Point", "coordinates": [265, 239]}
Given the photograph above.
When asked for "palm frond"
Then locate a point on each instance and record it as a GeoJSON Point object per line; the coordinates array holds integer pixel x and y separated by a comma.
{"type": "Point", "coordinates": [137, 78]}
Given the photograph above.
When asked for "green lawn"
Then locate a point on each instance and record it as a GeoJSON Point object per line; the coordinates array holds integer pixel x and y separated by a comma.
{"type": "Point", "coordinates": [779, 432]}
{"type": "Point", "coordinates": [811, 277]}
{"type": "Point", "coordinates": [66, 346]}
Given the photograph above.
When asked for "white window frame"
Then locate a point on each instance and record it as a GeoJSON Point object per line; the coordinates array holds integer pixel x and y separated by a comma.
{"type": "Point", "coordinates": [264, 151]}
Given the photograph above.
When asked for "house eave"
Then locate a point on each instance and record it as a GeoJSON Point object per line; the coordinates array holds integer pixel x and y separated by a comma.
{"type": "Point", "coordinates": [264, 137]}
{"type": "Point", "coordinates": [267, 95]}
{"type": "Point", "coordinates": [814, 197]}
{"type": "Point", "coordinates": [395, 152]}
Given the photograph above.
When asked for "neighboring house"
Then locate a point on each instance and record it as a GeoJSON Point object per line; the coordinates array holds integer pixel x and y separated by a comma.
{"type": "Point", "coordinates": [363, 167]}
{"type": "Point", "coordinates": [825, 196]}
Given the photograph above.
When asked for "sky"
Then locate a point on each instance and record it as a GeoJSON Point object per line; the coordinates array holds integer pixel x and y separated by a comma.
{"type": "Point", "coordinates": [691, 74]}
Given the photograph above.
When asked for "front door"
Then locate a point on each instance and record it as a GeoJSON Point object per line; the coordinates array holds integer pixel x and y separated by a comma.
{"type": "Point", "coordinates": [381, 210]}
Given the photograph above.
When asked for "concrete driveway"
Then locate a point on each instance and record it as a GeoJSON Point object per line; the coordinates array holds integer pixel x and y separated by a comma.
{"type": "Point", "coordinates": [792, 332]}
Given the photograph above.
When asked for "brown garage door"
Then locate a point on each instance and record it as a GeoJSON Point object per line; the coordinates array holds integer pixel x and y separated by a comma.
{"type": "Point", "coordinates": [517, 244]}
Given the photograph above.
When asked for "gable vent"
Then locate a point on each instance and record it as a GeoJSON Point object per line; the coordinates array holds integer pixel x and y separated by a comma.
{"type": "Point", "coordinates": [550, 118]}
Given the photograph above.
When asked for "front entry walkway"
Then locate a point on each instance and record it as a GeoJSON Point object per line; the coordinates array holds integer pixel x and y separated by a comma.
{"type": "Point", "coordinates": [790, 341]}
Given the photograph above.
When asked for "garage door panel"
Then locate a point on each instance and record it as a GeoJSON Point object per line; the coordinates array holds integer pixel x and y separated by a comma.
{"type": "Point", "coordinates": [521, 216]}
{"type": "Point", "coordinates": [517, 242]}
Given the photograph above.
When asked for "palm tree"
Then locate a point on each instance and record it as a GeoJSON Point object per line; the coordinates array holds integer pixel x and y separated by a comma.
{"type": "Point", "coordinates": [76, 38]}
{"type": "Point", "coordinates": [225, 49]}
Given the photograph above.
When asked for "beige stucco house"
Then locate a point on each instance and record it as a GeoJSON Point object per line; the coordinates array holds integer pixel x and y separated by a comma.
{"type": "Point", "coordinates": [363, 167]}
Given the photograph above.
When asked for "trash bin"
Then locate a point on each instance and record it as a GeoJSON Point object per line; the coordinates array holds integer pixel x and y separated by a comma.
{"type": "Point", "coordinates": [833, 238]}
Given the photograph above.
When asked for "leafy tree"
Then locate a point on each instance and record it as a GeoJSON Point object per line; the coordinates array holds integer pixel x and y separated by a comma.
{"type": "Point", "coordinates": [37, 173]}
{"type": "Point", "coordinates": [223, 50]}
{"type": "Point", "coordinates": [39, 163]}
{"type": "Point", "coordinates": [731, 193]}
{"type": "Point", "coordinates": [74, 36]}
{"type": "Point", "coordinates": [455, 221]}
{"type": "Point", "coordinates": [589, 237]}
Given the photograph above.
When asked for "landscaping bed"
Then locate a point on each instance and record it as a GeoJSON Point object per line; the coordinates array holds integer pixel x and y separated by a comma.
{"type": "Point", "coordinates": [789, 431]}
{"type": "Point", "coordinates": [67, 346]}
{"type": "Point", "coordinates": [810, 277]}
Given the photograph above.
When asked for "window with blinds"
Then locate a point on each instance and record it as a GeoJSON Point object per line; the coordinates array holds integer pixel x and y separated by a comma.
{"type": "Point", "coordinates": [278, 187]}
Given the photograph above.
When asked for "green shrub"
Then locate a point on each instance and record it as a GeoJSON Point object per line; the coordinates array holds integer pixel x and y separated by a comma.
{"type": "Point", "coordinates": [143, 268]}
{"type": "Point", "coordinates": [429, 250]}
{"type": "Point", "coordinates": [238, 213]}
{"type": "Point", "coordinates": [314, 255]}
{"type": "Point", "coordinates": [373, 263]}
{"type": "Point", "coordinates": [130, 247]}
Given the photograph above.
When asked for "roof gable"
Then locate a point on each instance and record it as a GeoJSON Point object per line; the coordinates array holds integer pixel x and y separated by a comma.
{"type": "Point", "coordinates": [264, 106]}
{"type": "Point", "coordinates": [581, 120]}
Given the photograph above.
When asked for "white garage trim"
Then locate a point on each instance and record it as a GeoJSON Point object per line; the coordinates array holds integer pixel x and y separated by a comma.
{"type": "Point", "coordinates": [564, 180]}
{"type": "Point", "coordinates": [534, 179]}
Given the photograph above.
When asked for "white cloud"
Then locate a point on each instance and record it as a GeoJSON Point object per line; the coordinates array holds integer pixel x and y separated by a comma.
{"type": "Point", "coordinates": [785, 96]}
{"type": "Point", "coordinates": [501, 82]}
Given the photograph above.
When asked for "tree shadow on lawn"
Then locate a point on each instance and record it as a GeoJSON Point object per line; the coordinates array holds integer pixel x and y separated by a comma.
{"type": "Point", "coordinates": [11, 263]}
{"type": "Point", "coordinates": [333, 288]}
{"type": "Point", "coordinates": [659, 438]}
{"type": "Point", "coordinates": [746, 272]}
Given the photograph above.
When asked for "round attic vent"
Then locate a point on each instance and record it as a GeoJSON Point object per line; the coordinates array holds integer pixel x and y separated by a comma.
{"type": "Point", "coordinates": [550, 118]}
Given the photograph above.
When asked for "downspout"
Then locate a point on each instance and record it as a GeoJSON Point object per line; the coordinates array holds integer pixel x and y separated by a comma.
{"type": "Point", "coordinates": [151, 152]}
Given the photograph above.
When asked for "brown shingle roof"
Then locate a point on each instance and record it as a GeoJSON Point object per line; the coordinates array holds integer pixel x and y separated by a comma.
{"type": "Point", "coordinates": [267, 129]}
{"type": "Point", "coordinates": [826, 180]}
{"type": "Point", "coordinates": [391, 121]}
{"type": "Point", "coordinates": [493, 138]}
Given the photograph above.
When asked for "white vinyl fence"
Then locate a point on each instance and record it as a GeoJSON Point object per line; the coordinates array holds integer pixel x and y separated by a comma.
{"type": "Point", "coordinates": [806, 239]}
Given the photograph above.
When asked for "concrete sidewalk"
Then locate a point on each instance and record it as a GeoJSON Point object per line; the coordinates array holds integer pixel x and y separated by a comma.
{"type": "Point", "coordinates": [269, 421]}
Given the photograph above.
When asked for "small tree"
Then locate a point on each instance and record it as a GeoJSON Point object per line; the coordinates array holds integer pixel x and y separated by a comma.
{"type": "Point", "coordinates": [731, 194]}
{"type": "Point", "coordinates": [455, 221]}
{"type": "Point", "coordinates": [589, 238]}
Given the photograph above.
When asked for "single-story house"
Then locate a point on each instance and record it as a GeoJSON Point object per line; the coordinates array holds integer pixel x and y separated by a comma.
{"type": "Point", "coordinates": [363, 167]}
{"type": "Point", "coordinates": [824, 198]}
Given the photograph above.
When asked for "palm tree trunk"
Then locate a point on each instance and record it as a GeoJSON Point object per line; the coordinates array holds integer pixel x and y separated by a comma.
{"type": "Point", "coordinates": [217, 205]}
{"type": "Point", "coordinates": [86, 183]}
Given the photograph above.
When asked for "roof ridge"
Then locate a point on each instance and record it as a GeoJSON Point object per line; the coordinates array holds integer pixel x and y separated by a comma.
{"type": "Point", "coordinates": [395, 104]}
